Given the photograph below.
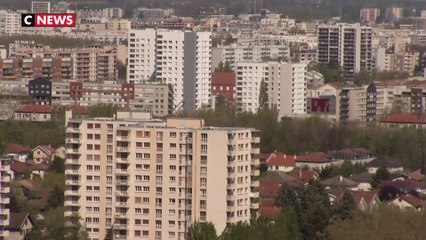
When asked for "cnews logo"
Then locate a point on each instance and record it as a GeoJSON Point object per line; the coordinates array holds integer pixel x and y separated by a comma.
{"type": "Point", "coordinates": [48, 20]}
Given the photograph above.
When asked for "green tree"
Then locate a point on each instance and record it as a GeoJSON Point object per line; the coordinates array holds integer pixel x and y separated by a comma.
{"type": "Point", "coordinates": [346, 208]}
{"type": "Point", "coordinates": [103, 110]}
{"type": "Point", "coordinates": [73, 229]}
{"type": "Point", "coordinates": [362, 77]}
{"type": "Point", "coordinates": [221, 67]}
{"type": "Point", "coordinates": [54, 223]}
{"type": "Point", "coordinates": [202, 231]}
{"type": "Point", "coordinates": [237, 231]}
{"type": "Point", "coordinates": [122, 70]}
{"type": "Point", "coordinates": [287, 226]}
{"type": "Point", "coordinates": [57, 197]}
{"type": "Point", "coordinates": [58, 165]}
{"type": "Point", "coordinates": [380, 175]}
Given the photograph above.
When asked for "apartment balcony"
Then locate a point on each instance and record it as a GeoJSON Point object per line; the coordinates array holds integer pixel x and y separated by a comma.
{"type": "Point", "coordinates": [254, 205]}
{"type": "Point", "coordinates": [5, 179]}
{"type": "Point", "coordinates": [231, 197]}
{"type": "Point", "coordinates": [73, 140]}
{"type": "Point", "coordinates": [121, 172]}
{"type": "Point", "coordinates": [255, 172]}
{"type": "Point", "coordinates": [122, 138]}
{"type": "Point", "coordinates": [70, 161]}
{"type": "Point", "coordinates": [5, 200]}
{"type": "Point", "coordinates": [71, 193]}
{"type": "Point", "coordinates": [232, 174]}
{"type": "Point", "coordinates": [255, 139]}
{"type": "Point", "coordinates": [122, 149]}
{"type": "Point", "coordinates": [121, 193]}
{"type": "Point", "coordinates": [121, 204]}
{"type": "Point", "coordinates": [120, 216]}
{"type": "Point", "coordinates": [122, 182]}
{"type": "Point", "coordinates": [121, 160]}
{"type": "Point", "coordinates": [71, 203]}
{"type": "Point", "coordinates": [4, 211]}
{"type": "Point", "coordinates": [120, 226]}
{"type": "Point", "coordinates": [71, 151]}
{"type": "Point", "coordinates": [255, 151]}
{"type": "Point", "coordinates": [231, 152]}
{"type": "Point", "coordinates": [254, 194]}
{"type": "Point", "coordinates": [5, 189]}
{"type": "Point", "coordinates": [71, 172]}
{"type": "Point", "coordinates": [255, 184]}
{"type": "Point", "coordinates": [72, 182]}
{"type": "Point", "coordinates": [72, 130]}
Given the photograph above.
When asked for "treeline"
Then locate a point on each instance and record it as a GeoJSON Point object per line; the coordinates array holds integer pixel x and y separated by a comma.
{"type": "Point", "coordinates": [294, 136]}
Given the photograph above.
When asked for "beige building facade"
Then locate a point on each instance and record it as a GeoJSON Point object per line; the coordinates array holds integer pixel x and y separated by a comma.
{"type": "Point", "coordinates": [150, 179]}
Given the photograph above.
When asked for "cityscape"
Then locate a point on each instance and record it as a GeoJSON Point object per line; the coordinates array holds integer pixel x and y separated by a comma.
{"type": "Point", "coordinates": [212, 120]}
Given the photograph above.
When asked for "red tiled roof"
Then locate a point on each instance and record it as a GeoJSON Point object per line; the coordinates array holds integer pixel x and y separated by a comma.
{"type": "Point", "coordinates": [46, 149]}
{"type": "Point", "coordinates": [414, 201]}
{"type": "Point", "coordinates": [405, 118]}
{"type": "Point", "coordinates": [33, 108]}
{"type": "Point", "coordinates": [281, 159]}
{"type": "Point", "coordinates": [267, 202]}
{"type": "Point", "coordinates": [272, 212]}
{"type": "Point", "coordinates": [17, 148]}
{"type": "Point", "coordinates": [313, 157]}
{"type": "Point", "coordinates": [21, 167]}
{"type": "Point", "coordinates": [223, 78]}
{"type": "Point", "coordinates": [269, 188]}
{"type": "Point", "coordinates": [368, 196]}
{"type": "Point", "coordinates": [304, 175]}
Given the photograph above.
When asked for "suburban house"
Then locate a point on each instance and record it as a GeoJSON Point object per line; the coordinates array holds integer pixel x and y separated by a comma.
{"type": "Point", "coordinates": [43, 153]}
{"type": "Point", "coordinates": [364, 200]}
{"type": "Point", "coordinates": [18, 152]}
{"type": "Point", "coordinates": [408, 201]}
{"type": "Point", "coordinates": [19, 225]}
{"type": "Point", "coordinates": [340, 182]}
{"type": "Point", "coordinates": [313, 160]}
{"type": "Point", "coordinates": [415, 175]}
{"type": "Point", "coordinates": [27, 169]}
{"type": "Point", "coordinates": [281, 162]}
{"type": "Point", "coordinates": [363, 179]}
{"type": "Point", "coordinates": [384, 161]}
{"type": "Point", "coordinates": [354, 155]}
{"type": "Point", "coordinates": [34, 113]}
{"type": "Point", "coordinates": [269, 188]}
{"type": "Point", "coordinates": [304, 176]}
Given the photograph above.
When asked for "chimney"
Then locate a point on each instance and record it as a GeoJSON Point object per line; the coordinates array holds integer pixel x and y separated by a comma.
{"type": "Point", "coordinates": [300, 173]}
{"type": "Point", "coordinates": [340, 178]}
{"type": "Point", "coordinates": [294, 156]}
{"type": "Point", "coordinates": [285, 155]}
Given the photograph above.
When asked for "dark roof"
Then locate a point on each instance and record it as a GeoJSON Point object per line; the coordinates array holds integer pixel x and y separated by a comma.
{"type": "Point", "coordinates": [21, 167]}
{"type": "Point", "coordinates": [303, 175]}
{"type": "Point", "coordinates": [39, 80]}
{"type": "Point", "coordinates": [313, 157]}
{"type": "Point", "coordinates": [16, 220]}
{"type": "Point", "coordinates": [411, 199]}
{"type": "Point", "coordinates": [339, 181]}
{"type": "Point", "coordinates": [17, 148]}
{"type": "Point", "coordinates": [384, 161]}
{"type": "Point", "coordinates": [362, 177]}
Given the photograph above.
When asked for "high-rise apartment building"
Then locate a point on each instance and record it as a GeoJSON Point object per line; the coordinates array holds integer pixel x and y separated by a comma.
{"type": "Point", "coordinates": [347, 46]}
{"type": "Point", "coordinates": [4, 197]}
{"type": "Point", "coordinates": [358, 103]}
{"type": "Point", "coordinates": [10, 22]}
{"type": "Point", "coordinates": [40, 7]}
{"type": "Point", "coordinates": [369, 15]}
{"type": "Point", "coordinates": [136, 178]}
{"type": "Point", "coordinates": [248, 53]}
{"type": "Point", "coordinates": [179, 58]}
{"type": "Point", "coordinates": [287, 88]}
{"type": "Point", "coordinates": [89, 64]}
{"type": "Point", "coordinates": [50, 68]}
{"type": "Point", "coordinates": [285, 85]}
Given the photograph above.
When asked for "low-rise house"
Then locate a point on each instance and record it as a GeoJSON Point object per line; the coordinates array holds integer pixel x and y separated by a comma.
{"type": "Point", "coordinates": [354, 155]}
{"type": "Point", "coordinates": [19, 225]}
{"type": "Point", "coordinates": [34, 113]}
{"type": "Point", "coordinates": [39, 170]}
{"type": "Point", "coordinates": [313, 160]}
{"type": "Point", "coordinates": [18, 152]}
{"type": "Point", "coordinates": [43, 153]}
{"type": "Point", "coordinates": [408, 201]}
{"type": "Point", "coordinates": [20, 169]}
{"type": "Point", "coordinates": [281, 162]}
{"type": "Point", "coordinates": [384, 161]}
{"type": "Point", "coordinates": [363, 179]}
{"type": "Point", "coordinates": [304, 176]}
{"type": "Point", "coordinates": [415, 175]}
{"type": "Point", "coordinates": [340, 182]}
{"type": "Point", "coordinates": [365, 200]}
